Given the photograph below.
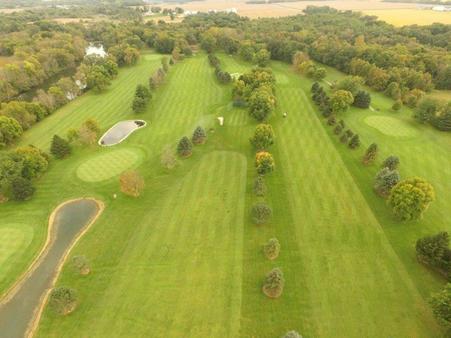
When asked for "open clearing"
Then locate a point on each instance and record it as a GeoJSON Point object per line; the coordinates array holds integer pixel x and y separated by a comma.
{"type": "Point", "coordinates": [184, 259]}
{"type": "Point", "coordinates": [403, 17]}
{"type": "Point", "coordinates": [391, 126]}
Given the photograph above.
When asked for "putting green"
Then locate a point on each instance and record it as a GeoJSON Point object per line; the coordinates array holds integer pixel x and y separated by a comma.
{"type": "Point", "coordinates": [14, 238]}
{"type": "Point", "coordinates": [103, 166]}
{"type": "Point", "coordinates": [390, 126]}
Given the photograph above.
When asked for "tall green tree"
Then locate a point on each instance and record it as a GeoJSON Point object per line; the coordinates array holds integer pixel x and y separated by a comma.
{"type": "Point", "coordinates": [263, 137]}
{"type": "Point", "coordinates": [60, 148]}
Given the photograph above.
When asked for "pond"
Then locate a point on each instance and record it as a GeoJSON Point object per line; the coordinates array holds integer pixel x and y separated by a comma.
{"type": "Point", "coordinates": [120, 131]}
{"type": "Point", "coordinates": [21, 307]}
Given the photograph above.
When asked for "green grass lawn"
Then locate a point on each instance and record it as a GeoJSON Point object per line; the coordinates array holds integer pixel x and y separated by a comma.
{"type": "Point", "coordinates": [185, 260]}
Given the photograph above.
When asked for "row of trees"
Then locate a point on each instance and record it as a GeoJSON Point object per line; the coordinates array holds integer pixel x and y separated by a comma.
{"type": "Point", "coordinates": [222, 76]}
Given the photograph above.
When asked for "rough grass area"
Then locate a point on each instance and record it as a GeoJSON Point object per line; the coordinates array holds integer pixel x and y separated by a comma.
{"type": "Point", "coordinates": [404, 17]}
{"type": "Point", "coordinates": [391, 126]}
{"type": "Point", "coordinates": [107, 164]}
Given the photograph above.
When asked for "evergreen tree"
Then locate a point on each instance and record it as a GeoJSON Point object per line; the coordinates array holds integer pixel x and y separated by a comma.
{"type": "Point", "coordinates": [139, 104]}
{"type": "Point", "coordinates": [441, 307]}
{"type": "Point", "coordinates": [143, 92]}
{"type": "Point", "coordinates": [344, 138]}
{"type": "Point", "coordinates": [370, 154]}
{"type": "Point", "coordinates": [391, 162]}
{"type": "Point", "coordinates": [354, 142]}
{"type": "Point", "coordinates": [434, 251]}
{"type": "Point", "coordinates": [60, 148]}
{"type": "Point", "coordinates": [362, 99]}
{"type": "Point", "coordinates": [331, 120]}
{"type": "Point", "coordinates": [274, 283]}
{"type": "Point", "coordinates": [185, 147]}
{"type": "Point", "coordinates": [385, 180]}
{"type": "Point", "coordinates": [21, 189]}
{"type": "Point", "coordinates": [338, 129]}
{"type": "Point", "coordinates": [199, 135]}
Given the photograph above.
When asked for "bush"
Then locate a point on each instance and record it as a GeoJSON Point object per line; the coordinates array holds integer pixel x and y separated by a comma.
{"type": "Point", "coordinates": [21, 189]}
{"type": "Point", "coordinates": [185, 147]}
{"type": "Point", "coordinates": [63, 300]}
{"type": "Point", "coordinates": [199, 135]}
{"type": "Point", "coordinates": [354, 142]}
{"type": "Point", "coordinates": [274, 283]}
{"type": "Point", "coordinates": [272, 249]}
{"type": "Point", "coordinates": [60, 148]}
{"type": "Point", "coordinates": [434, 251]}
{"type": "Point", "coordinates": [391, 162]}
{"type": "Point", "coordinates": [264, 162]}
{"type": "Point", "coordinates": [385, 180]}
{"type": "Point", "coordinates": [370, 154]}
{"type": "Point", "coordinates": [263, 137]}
{"type": "Point", "coordinates": [441, 307]}
{"type": "Point", "coordinates": [143, 92]}
{"type": "Point", "coordinates": [260, 186]}
{"type": "Point", "coordinates": [332, 121]}
{"type": "Point", "coordinates": [410, 198]}
{"type": "Point", "coordinates": [261, 213]}
{"type": "Point", "coordinates": [81, 263]}
{"type": "Point", "coordinates": [132, 183]}
{"type": "Point", "coordinates": [168, 159]}
{"type": "Point", "coordinates": [338, 129]}
{"type": "Point", "coordinates": [344, 138]}
{"type": "Point", "coordinates": [397, 105]}
{"type": "Point", "coordinates": [349, 133]}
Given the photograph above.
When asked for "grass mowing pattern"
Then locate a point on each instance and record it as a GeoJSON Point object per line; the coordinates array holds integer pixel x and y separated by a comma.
{"type": "Point", "coordinates": [14, 238]}
{"type": "Point", "coordinates": [391, 126]}
{"type": "Point", "coordinates": [168, 263]}
{"type": "Point", "coordinates": [103, 166]}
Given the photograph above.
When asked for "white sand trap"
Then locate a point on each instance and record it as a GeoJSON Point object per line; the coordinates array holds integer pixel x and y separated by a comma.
{"type": "Point", "coordinates": [120, 131]}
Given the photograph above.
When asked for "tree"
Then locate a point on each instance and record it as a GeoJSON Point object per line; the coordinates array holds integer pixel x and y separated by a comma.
{"type": "Point", "coordinates": [385, 180]}
{"type": "Point", "coordinates": [338, 129]}
{"type": "Point", "coordinates": [261, 104]}
{"type": "Point", "coordinates": [184, 147]}
{"type": "Point", "coordinates": [340, 101]}
{"type": "Point", "coordinates": [34, 161]}
{"type": "Point", "coordinates": [263, 137]}
{"type": "Point", "coordinates": [139, 104]}
{"type": "Point", "coordinates": [350, 84]}
{"type": "Point", "coordinates": [370, 154]}
{"type": "Point", "coordinates": [168, 159]}
{"type": "Point", "coordinates": [332, 121]}
{"type": "Point", "coordinates": [97, 80]}
{"type": "Point", "coordinates": [410, 198]}
{"type": "Point", "coordinates": [63, 300]}
{"type": "Point", "coordinates": [60, 148]}
{"type": "Point", "coordinates": [391, 162]}
{"type": "Point", "coordinates": [362, 99]}
{"type": "Point", "coordinates": [81, 263]}
{"type": "Point", "coordinates": [176, 54]}
{"type": "Point", "coordinates": [441, 306]}
{"type": "Point", "coordinates": [354, 142]}
{"type": "Point", "coordinates": [131, 183]}
{"type": "Point", "coordinates": [397, 105]}
{"type": "Point", "coordinates": [199, 135]}
{"type": "Point", "coordinates": [272, 249]}
{"type": "Point", "coordinates": [426, 110]}
{"type": "Point", "coordinates": [264, 162]}
{"type": "Point", "coordinates": [274, 283]}
{"type": "Point", "coordinates": [10, 130]}
{"type": "Point", "coordinates": [21, 189]}
{"type": "Point", "coordinates": [143, 92]}
{"type": "Point", "coordinates": [261, 58]}
{"type": "Point", "coordinates": [261, 213]}
{"type": "Point", "coordinates": [319, 73]}
{"type": "Point", "coordinates": [164, 64]}
{"type": "Point", "coordinates": [260, 186]}
{"type": "Point", "coordinates": [434, 251]}
{"type": "Point", "coordinates": [344, 138]}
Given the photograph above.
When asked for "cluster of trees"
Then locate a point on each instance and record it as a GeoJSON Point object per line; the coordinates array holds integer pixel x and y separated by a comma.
{"type": "Point", "coordinates": [435, 112]}
{"type": "Point", "coordinates": [222, 76]}
{"type": "Point", "coordinates": [87, 134]}
{"type": "Point", "coordinates": [303, 64]}
{"type": "Point", "coordinates": [157, 78]}
{"type": "Point", "coordinates": [185, 145]}
{"type": "Point", "coordinates": [339, 101]}
{"type": "Point", "coordinates": [256, 90]}
{"type": "Point", "coordinates": [19, 169]}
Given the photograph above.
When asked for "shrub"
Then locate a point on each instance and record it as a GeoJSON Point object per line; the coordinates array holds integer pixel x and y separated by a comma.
{"type": "Point", "coordinates": [143, 92]}
{"type": "Point", "coordinates": [60, 148]}
{"type": "Point", "coordinates": [332, 121]}
{"type": "Point", "coordinates": [274, 283]}
{"type": "Point", "coordinates": [441, 306]}
{"type": "Point", "coordinates": [391, 162]}
{"type": "Point", "coordinates": [168, 159]}
{"type": "Point", "coordinates": [21, 189]}
{"type": "Point", "coordinates": [349, 133]}
{"type": "Point", "coordinates": [199, 135]}
{"type": "Point", "coordinates": [370, 154]}
{"type": "Point", "coordinates": [292, 334]}
{"type": "Point", "coordinates": [397, 105]}
{"type": "Point", "coordinates": [63, 300]}
{"type": "Point", "coordinates": [263, 137]}
{"type": "Point", "coordinates": [81, 263]}
{"type": "Point", "coordinates": [434, 251]}
{"type": "Point", "coordinates": [344, 138]}
{"type": "Point", "coordinates": [354, 142]}
{"type": "Point", "coordinates": [132, 183]}
{"type": "Point", "coordinates": [410, 198]}
{"type": "Point", "coordinates": [261, 213]}
{"type": "Point", "coordinates": [338, 129]}
{"type": "Point", "coordinates": [185, 147]}
{"type": "Point", "coordinates": [139, 104]}
{"type": "Point", "coordinates": [385, 180]}
{"type": "Point", "coordinates": [272, 249]}
{"type": "Point", "coordinates": [260, 186]}
{"type": "Point", "coordinates": [264, 162]}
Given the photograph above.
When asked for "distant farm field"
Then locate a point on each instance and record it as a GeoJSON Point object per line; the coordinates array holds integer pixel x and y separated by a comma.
{"type": "Point", "coordinates": [403, 17]}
